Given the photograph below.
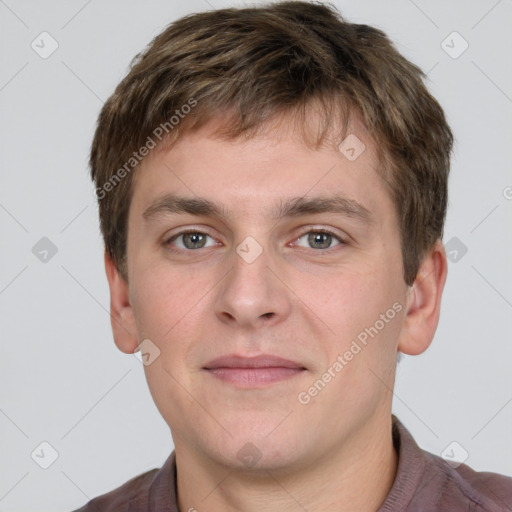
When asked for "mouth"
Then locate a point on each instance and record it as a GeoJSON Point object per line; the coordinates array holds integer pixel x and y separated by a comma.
{"type": "Point", "coordinates": [256, 371]}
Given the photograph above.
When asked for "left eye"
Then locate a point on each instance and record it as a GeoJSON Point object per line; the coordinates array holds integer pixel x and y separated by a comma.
{"type": "Point", "coordinates": [319, 240]}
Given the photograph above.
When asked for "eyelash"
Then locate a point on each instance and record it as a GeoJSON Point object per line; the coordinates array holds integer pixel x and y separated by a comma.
{"type": "Point", "coordinates": [168, 242]}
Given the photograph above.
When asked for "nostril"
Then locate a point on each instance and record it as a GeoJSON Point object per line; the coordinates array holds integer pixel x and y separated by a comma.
{"type": "Point", "coordinates": [268, 315]}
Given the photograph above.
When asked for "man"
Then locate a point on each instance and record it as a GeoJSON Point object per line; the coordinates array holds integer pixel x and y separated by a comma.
{"type": "Point", "coordinates": [272, 185]}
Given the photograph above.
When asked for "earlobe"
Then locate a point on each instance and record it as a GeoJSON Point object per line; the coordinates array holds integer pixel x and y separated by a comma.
{"type": "Point", "coordinates": [121, 311]}
{"type": "Point", "coordinates": [424, 303]}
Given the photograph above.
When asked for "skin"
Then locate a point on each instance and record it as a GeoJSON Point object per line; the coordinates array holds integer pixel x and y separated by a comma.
{"type": "Point", "coordinates": [295, 301]}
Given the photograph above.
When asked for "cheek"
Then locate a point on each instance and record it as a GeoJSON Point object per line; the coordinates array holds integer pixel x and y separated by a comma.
{"type": "Point", "coordinates": [163, 295]}
{"type": "Point", "coordinates": [172, 308]}
{"type": "Point", "coordinates": [167, 309]}
{"type": "Point", "coordinates": [350, 304]}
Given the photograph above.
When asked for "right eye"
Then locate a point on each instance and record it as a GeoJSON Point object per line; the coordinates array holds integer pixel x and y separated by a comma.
{"type": "Point", "coordinates": [190, 240]}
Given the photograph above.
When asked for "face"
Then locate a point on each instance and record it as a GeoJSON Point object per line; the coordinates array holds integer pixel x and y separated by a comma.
{"type": "Point", "coordinates": [263, 247]}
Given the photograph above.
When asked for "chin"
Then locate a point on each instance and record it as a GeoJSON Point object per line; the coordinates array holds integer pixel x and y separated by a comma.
{"type": "Point", "coordinates": [256, 451]}
{"type": "Point", "coordinates": [256, 459]}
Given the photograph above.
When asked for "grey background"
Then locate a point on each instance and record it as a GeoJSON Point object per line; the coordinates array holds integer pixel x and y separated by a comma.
{"type": "Point", "coordinates": [63, 381]}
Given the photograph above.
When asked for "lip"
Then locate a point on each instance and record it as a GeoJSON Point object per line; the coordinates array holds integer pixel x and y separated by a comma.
{"type": "Point", "coordinates": [255, 371]}
{"type": "Point", "coordinates": [261, 361]}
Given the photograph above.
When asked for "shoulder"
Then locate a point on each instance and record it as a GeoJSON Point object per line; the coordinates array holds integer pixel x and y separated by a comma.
{"type": "Point", "coordinates": [426, 482]}
{"type": "Point", "coordinates": [459, 487]}
{"type": "Point", "coordinates": [132, 495]}
{"type": "Point", "coordinates": [487, 491]}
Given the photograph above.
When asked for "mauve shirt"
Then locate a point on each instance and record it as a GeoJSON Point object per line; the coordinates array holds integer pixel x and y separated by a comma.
{"type": "Point", "coordinates": [423, 483]}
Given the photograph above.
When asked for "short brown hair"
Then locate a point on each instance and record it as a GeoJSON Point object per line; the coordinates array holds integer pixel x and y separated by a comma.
{"type": "Point", "coordinates": [256, 64]}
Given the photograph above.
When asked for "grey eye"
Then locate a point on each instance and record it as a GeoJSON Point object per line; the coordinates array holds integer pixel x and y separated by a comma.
{"type": "Point", "coordinates": [319, 240]}
{"type": "Point", "coordinates": [192, 240]}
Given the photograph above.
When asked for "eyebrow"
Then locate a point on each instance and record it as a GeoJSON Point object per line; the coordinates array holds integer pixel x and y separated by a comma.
{"type": "Point", "coordinates": [293, 207]}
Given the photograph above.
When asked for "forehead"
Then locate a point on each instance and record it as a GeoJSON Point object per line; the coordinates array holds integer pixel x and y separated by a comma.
{"type": "Point", "coordinates": [267, 171]}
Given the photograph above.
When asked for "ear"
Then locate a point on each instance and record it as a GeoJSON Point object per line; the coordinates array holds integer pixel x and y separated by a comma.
{"type": "Point", "coordinates": [424, 302]}
{"type": "Point", "coordinates": [121, 311]}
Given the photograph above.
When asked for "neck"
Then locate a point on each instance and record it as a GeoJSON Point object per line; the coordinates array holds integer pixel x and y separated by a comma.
{"type": "Point", "coordinates": [354, 477]}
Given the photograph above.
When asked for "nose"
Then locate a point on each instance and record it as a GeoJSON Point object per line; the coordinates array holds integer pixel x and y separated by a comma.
{"type": "Point", "coordinates": [253, 294]}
